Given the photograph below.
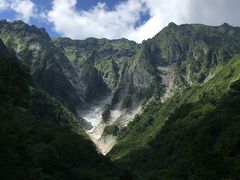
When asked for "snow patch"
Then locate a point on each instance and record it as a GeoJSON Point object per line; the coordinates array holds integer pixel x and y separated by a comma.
{"type": "Point", "coordinates": [118, 117]}
{"type": "Point", "coordinates": [168, 76]}
{"type": "Point", "coordinates": [35, 46]}
{"type": "Point", "coordinates": [209, 77]}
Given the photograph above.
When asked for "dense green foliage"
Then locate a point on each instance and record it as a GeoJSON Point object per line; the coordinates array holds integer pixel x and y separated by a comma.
{"type": "Point", "coordinates": [194, 134]}
{"type": "Point", "coordinates": [111, 129]}
{"type": "Point", "coordinates": [32, 149]}
{"type": "Point", "coordinates": [39, 138]}
{"type": "Point", "coordinates": [200, 139]}
{"type": "Point", "coordinates": [195, 54]}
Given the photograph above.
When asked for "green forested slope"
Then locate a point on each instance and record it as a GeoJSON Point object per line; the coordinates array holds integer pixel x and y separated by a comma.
{"type": "Point", "coordinates": [200, 139]}
{"type": "Point", "coordinates": [194, 134]}
{"type": "Point", "coordinates": [39, 138]}
{"type": "Point", "coordinates": [192, 54]}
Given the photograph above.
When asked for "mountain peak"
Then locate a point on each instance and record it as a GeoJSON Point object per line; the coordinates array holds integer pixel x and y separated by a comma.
{"type": "Point", "coordinates": [20, 26]}
{"type": "Point", "coordinates": [172, 24]}
{"type": "Point", "coordinates": [225, 25]}
{"type": "Point", "coordinates": [19, 22]}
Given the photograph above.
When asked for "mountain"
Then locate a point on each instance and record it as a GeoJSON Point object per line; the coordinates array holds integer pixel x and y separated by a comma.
{"type": "Point", "coordinates": [89, 77]}
{"type": "Point", "coordinates": [199, 140]}
{"type": "Point", "coordinates": [163, 109]}
{"type": "Point", "coordinates": [190, 135]}
{"type": "Point", "coordinates": [49, 66]}
{"type": "Point", "coordinates": [116, 62]}
{"type": "Point", "coordinates": [185, 56]}
{"type": "Point", "coordinates": [40, 138]}
{"type": "Point", "coordinates": [109, 57]}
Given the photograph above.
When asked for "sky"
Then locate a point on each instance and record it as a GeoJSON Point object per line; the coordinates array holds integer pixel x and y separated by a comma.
{"type": "Point", "coordinates": [136, 20]}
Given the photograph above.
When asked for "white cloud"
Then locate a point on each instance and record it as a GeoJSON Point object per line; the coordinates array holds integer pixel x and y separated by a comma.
{"type": "Point", "coordinates": [3, 4]}
{"type": "Point", "coordinates": [96, 22]}
{"type": "Point", "coordinates": [100, 21]}
{"type": "Point", "coordinates": [121, 20]}
{"type": "Point", "coordinates": [161, 13]}
{"type": "Point", "coordinates": [25, 9]}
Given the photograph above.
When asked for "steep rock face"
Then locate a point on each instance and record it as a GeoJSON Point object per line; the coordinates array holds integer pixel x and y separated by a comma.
{"type": "Point", "coordinates": [49, 66]}
{"type": "Point", "coordinates": [184, 56]}
{"type": "Point", "coordinates": [80, 74]}
{"type": "Point", "coordinates": [109, 57]}
{"type": "Point", "coordinates": [200, 139]}
{"type": "Point", "coordinates": [116, 62]}
{"type": "Point", "coordinates": [124, 74]}
{"type": "Point", "coordinates": [40, 138]}
{"type": "Point", "coordinates": [136, 80]}
{"type": "Point", "coordinates": [196, 50]}
{"type": "Point", "coordinates": [93, 74]}
{"type": "Point", "coordinates": [178, 57]}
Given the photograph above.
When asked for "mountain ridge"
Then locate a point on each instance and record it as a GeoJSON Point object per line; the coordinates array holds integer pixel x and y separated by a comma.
{"type": "Point", "coordinates": [130, 95]}
{"type": "Point", "coordinates": [39, 137]}
{"type": "Point", "coordinates": [78, 72]}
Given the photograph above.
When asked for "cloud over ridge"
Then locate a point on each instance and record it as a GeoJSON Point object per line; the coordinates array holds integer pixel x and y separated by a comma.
{"type": "Point", "coordinates": [119, 22]}
{"type": "Point", "coordinates": [25, 9]}
{"type": "Point", "coordinates": [125, 18]}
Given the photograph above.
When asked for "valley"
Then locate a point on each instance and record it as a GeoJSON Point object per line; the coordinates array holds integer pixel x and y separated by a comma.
{"type": "Point", "coordinates": [167, 108]}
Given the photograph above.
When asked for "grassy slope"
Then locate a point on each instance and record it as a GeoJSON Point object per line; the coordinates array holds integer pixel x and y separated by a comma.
{"type": "Point", "coordinates": [39, 138]}
{"type": "Point", "coordinates": [184, 44]}
{"type": "Point", "coordinates": [139, 133]}
{"type": "Point", "coordinates": [199, 141]}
